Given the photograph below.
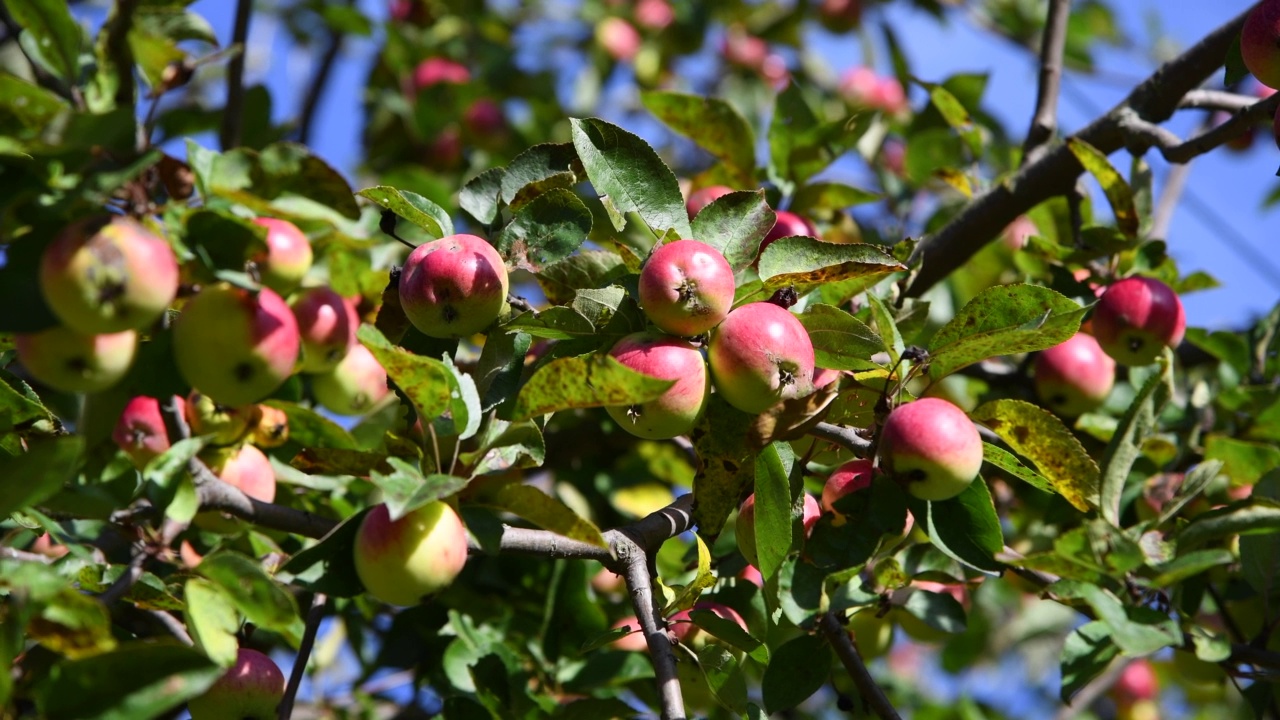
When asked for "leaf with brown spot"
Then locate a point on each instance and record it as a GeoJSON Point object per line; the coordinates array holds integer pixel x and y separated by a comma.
{"type": "Point", "coordinates": [423, 380]}
{"type": "Point", "coordinates": [332, 461]}
{"type": "Point", "coordinates": [792, 419]}
{"type": "Point", "coordinates": [807, 263]}
{"type": "Point", "coordinates": [726, 464]}
{"type": "Point", "coordinates": [585, 381]}
{"type": "Point", "coordinates": [1040, 436]}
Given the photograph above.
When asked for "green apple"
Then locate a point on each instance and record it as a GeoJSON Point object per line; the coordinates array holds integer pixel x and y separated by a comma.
{"type": "Point", "coordinates": [250, 690]}
{"type": "Point", "coordinates": [686, 287]}
{"type": "Point", "coordinates": [761, 355]}
{"type": "Point", "coordinates": [354, 387]}
{"type": "Point", "coordinates": [402, 561]}
{"type": "Point", "coordinates": [453, 287]}
{"type": "Point", "coordinates": [668, 358]}
{"type": "Point", "coordinates": [272, 428]}
{"type": "Point", "coordinates": [932, 447]}
{"type": "Point", "coordinates": [72, 362]}
{"type": "Point", "coordinates": [286, 258]}
{"type": "Point", "coordinates": [872, 634]}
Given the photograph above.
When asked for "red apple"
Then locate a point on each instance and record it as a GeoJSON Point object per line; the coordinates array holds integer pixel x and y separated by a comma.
{"type": "Point", "coordinates": [669, 358]}
{"type": "Point", "coordinates": [788, 224]}
{"type": "Point", "coordinates": [703, 197]}
{"type": "Point", "coordinates": [1260, 42]}
{"type": "Point", "coordinates": [402, 561]}
{"type": "Point", "coordinates": [1137, 681]}
{"type": "Point", "coordinates": [932, 447]}
{"type": "Point", "coordinates": [687, 632]}
{"type": "Point", "coordinates": [287, 257]}
{"type": "Point", "coordinates": [849, 478]}
{"type": "Point", "coordinates": [453, 287]}
{"type": "Point", "coordinates": [619, 38]}
{"type": "Point", "coordinates": [743, 49]}
{"type": "Point", "coordinates": [354, 387]}
{"type": "Point", "coordinates": [444, 151]}
{"type": "Point", "coordinates": [327, 325]}
{"type": "Point", "coordinates": [1136, 318]}
{"type": "Point", "coordinates": [745, 526]}
{"type": "Point", "coordinates": [1075, 376]}
{"type": "Point", "coordinates": [249, 690]}
{"type": "Point", "coordinates": [1017, 233]}
{"type": "Point", "coordinates": [761, 355]}
{"type": "Point", "coordinates": [72, 362]}
{"type": "Point", "coordinates": [440, 71]}
{"type": "Point", "coordinates": [485, 120]}
{"type": "Point", "coordinates": [141, 431]}
{"type": "Point", "coordinates": [634, 640]}
{"type": "Point", "coordinates": [245, 468]}
{"type": "Point", "coordinates": [654, 14]}
{"type": "Point", "coordinates": [686, 287]}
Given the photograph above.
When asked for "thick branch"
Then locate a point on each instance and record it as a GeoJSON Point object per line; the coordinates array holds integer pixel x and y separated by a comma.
{"type": "Point", "coordinates": [214, 494]}
{"type": "Point", "coordinates": [982, 220]}
{"type": "Point", "coordinates": [233, 113]}
{"type": "Point", "coordinates": [1045, 121]}
{"type": "Point", "coordinates": [871, 692]}
{"type": "Point", "coordinates": [637, 575]}
{"type": "Point", "coordinates": [285, 709]}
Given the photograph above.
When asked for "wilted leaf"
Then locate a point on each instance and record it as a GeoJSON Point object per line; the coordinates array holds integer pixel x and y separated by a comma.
{"type": "Point", "coordinates": [1040, 436]}
{"type": "Point", "coordinates": [807, 263]}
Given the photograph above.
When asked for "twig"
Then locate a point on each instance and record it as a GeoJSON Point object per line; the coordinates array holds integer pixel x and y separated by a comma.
{"type": "Point", "coordinates": [127, 580]}
{"type": "Point", "coordinates": [8, 553]}
{"type": "Point", "coordinates": [176, 628]}
{"type": "Point", "coordinates": [1162, 215]}
{"type": "Point", "coordinates": [871, 692]}
{"type": "Point", "coordinates": [649, 614]}
{"type": "Point", "coordinates": [1053, 41]}
{"type": "Point", "coordinates": [318, 83]}
{"type": "Point", "coordinates": [1219, 135]}
{"type": "Point", "coordinates": [232, 114]}
{"type": "Point", "coordinates": [285, 709]}
{"type": "Point", "coordinates": [847, 438]}
{"type": "Point", "coordinates": [1205, 99]}
{"type": "Point", "coordinates": [115, 45]}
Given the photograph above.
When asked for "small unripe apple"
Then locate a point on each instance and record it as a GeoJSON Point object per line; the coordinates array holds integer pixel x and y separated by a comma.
{"type": "Point", "coordinates": [618, 38]}
{"type": "Point", "coordinates": [1075, 376]}
{"type": "Point", "coordinates": [354, 387]}
{"type": "Point", "coordinates": [686, 287]}
{"type": "Point", "coordinates": [840, 16]}
{"type": "Point", "coordinates": [141, 431]}
{"type": "Point", "coordinates": [287, 257]}
{"type": "Point", "coordinates": [400, 562]}
{"type": "Point", "coordinates": [788, 224]}
{"type": "Point", "coordinates": [249, 690]}
{"type": "Point", "coordinates": [1136, 318]}
{"type": "Point", "coordinates": [932, 447]}
{"type": "Point", "coordinates": [108, 277]}
{"type": "Point", "coordinates": [440, 71]}
{"type": "Point", "coordinates": [1260, 42]}
{"type": "Point", "coordinates": [669, 358]}
{"type": "Point", "coordinates": [73, 362]}
{"type": "Point", "coordinates": [634, 640]}
{"type": "Point", "coordinates": [689, 633]}
{"type": "Point", "coordinates": [272, 428]}
{"type": "Point", "coordinates": [327, 324]}
{"type": "Point", "coordinates": [221, 424]}
{"type": "Point", "coordinates": [703, 197]}
{"type": "Point", "coordinates": [873, 635]}
{"type": "Point", "coordinates": [245, 468]}
{"type": "Point", "coordinates": [849, 478]}
{"type": "Point", "coordinates": [235, 345]}
{"type": "Point", "coordinates": [745, 526]}
{"type": "Point", "coordinates": [453, 287]}
{"type": "Point", "coordinates": [761, 355]}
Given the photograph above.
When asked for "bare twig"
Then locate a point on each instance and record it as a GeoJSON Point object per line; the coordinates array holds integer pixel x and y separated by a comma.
{"type": "Point", "coordinates": [8, 553]}
{"type": "Point", "coordinates": [871, 692]}
{"type": "Point", "coordinates": [233, 113]}
{"type": "Point", "coordinates": [1206, 99]}
{"type": "Point", "coordinates": [285, 709]}
{"type": "Point", "coordinates": [1052, 43]}
{"type": "Point", "coordinates": [1162, 215]}
{"type": "Point", "coordinates": [126, 581]}
{"type": "Point", "coordinates": [174, 626]}
{"type": "Point", "coordinates": [1218, 135]}
{"type": "Point", "coordinates": [847, 438]}
{"type": "Point", "coordinates": [318, 84]}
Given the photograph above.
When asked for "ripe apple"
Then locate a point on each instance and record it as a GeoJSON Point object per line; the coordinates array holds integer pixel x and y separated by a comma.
{"type": "Point", "coordinates": [703, 197]}
{"type": "Point", "coordinates": [633, 641]}
{"type": "Point", "coordinates": [686, 287]}
{"type": "Point", "coordinates": [287, 257]}
{"type": "Point", "coordinates": [619, 38]}
{"type": "Point", "coordinates": [249, 690]}
{"type": "Point", "coordinates": [745, 526]}
{"type": "Point", "coordinates": [654, 14]}
{"type": "Point", "coordinates": [237, 346]}
{"type": "Point", "coordinates": [440, 71]}
{"type": "Point", "coordinates": [73, 362]}
{"type": "Point", "coordinates": [761, 355]}
{"type": "Point", "coordinates": [485, 121]}
{"type": "Point", "coordinates": [668, 358]}
{"type": "Point", "coordinates": [403, 561]}
{"type": "Point", "coordinates": [788, 224]}
{"type": "Point", "coordinates": [223, 425]}
{"type": "Point", "coordinates": [453, 287]}
{"type": "Point", "coordinates": [354, 387]}
{"type": "Point", "coordinates": [327, 324]}
{"type": "Point", "coordinates": [932, 447]}
{"type": "Point", "coordinates": [840, 16]}
{"type": "Point", "coordinates": [1260, 42]}
{"type": "Point", "coordinates": [687, 632]}
{"type": "Point", "coordinates": [272, 428]}
{"type": "Point", "coordinates": [1137, 682]}
{"type": "Point", "coordinates": [245, 468]}
{"type": "Point", "coordinates": [141, 431]}
{"type": "Point", "coordinates": [743, 49]}
{"type": "Point", "coordinates": [873, 635]}
{"type": "Point", "coordinates": [849, 478]}
{"type": "Point", "coordinates": [108, 276]}
{"type": "Point", "coordinates": [1016, 234]}
{"type": "Point", "coordinates": [1075, 376]}
{"type": "Point", "coordinates": [1136, 318]}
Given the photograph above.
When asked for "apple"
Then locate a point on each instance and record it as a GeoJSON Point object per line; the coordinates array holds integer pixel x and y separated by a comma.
{"type": "Point", "coordinates": [453, 287]}
{"type": "Point", "coordinates": [654, 14]}
{"type": "Point", "coordinates": [245, 468]}
{"type": "Point", "coordinates": [751, 574]}
{"type": "Point", "coordinates": [44, 545]}
{"type": "Point", "coordinates": [141, 431]}
{"type": "Point", "coordinates": [221, 424]}
{"type": "Point", "coordinates": [745, 526]}
{"type": "Point", "coordinates": [237, 346]}
{"type": "Point", "coordinates": [1260, 42]}
{"type": "Point", "coordinates": [607, 582]}
{"type": "Point", "coordinates": [402, 561]}
{"type": "Point", "coordinates": [440, 71]}
{"type": "Point", "coordinates": [633, 641]}
{"type": "Point", "coordinates": [863, 87]}
{"type": "Point", "coordinates": [788, 224]}
{"type": "Point", "coordinates": [840, 16]}
{"type": "Point", "coordinates": [893, 156]}
{"type": "Point", "coordinates": [1075, 376]}
{"type": "Point", "coordinates": [686, 287]}
{"type": "Point", "coordinates": [619, 38]}
{"type": "Point", "coordinates": [873, 635]}
{"type": "Point", "coordinates": [761, 355]}
{"type": "Point", "coordinates": [485, 121]}
{"type": "Point", "coordinates": [1136, 318]}
{"type": "Point", "coordinates": [932, 447]}
{"type": "Point", "coordinates": [354, 387]}
{"type": "Point", "coordinates": [774, 71]}
{"type": "Point", "coordinates": [743, 49]}
{"type": "Point", "coordinates": [703, 197]}
{"type": "Point", "coordinates": [669, 358]}
{"type": "Point", "coordinates": [1141, 710]}
{"type": "Point", "coordinates": [272, 428]}
{"type": "Point", "coordinates": [287, 257]}
{"type": "Point", "coordinates": [689, 633]}
{"type": "Point", "coordinates": [849, 478]}
{"type": "Point", "coordinates": [327, 325]}
{"type": "Point", "coordinates": [1137, 682]}
{"type": "Point", "coordinates": [1017, 233]}
{"type": "Point", "coordinates": [249, 690]}
{"type": "Point", "coordinates": [102, 276]}
{"type": "Point", "coordinates": [74, 362]}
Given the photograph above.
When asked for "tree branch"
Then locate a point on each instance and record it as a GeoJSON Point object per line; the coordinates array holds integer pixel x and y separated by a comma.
{"type": "Point", "coordinates": [318, 83]}
{"type": "Point", "coordinates": [115, 45]}
{"type": "Point", "coordinates": [1205, 99]}
{"type": "Point", "coordinates": [233, 113]}
{"type": "Point", "coordinates": [214, 494]}
{"type": "Point", "coordinates": [1044, 123]}
{"type": "Point", "coordinates": [649, 613]}
{"type": "Point", "coordinates": [982, 220]}
{"type": "Point", "coordinates": [847, 438]}
{"type": "Point", "coordinates": [871, 692]}
{"type": "Point", "coordinates": [8, 553]}
{"type": "Point", "coordinates": [285, 709]}
{"type": "Point", "coordinates": [1162, 215]}
{"type": "Point", "coordinates": [1219, 135]}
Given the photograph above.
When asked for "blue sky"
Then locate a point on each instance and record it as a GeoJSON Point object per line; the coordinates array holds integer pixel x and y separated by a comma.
{"type": "Point", "coordinates": [1224, 195]}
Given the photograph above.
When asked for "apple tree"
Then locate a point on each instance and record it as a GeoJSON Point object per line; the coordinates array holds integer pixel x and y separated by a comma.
{"type": "Point", "coordinates": [601, 388]}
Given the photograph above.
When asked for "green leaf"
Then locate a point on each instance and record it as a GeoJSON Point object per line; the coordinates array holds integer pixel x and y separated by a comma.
{"type": "Point", "coordinates": [423, 380]}
{"type": "Point", "coordinates": [965, 527]}
{"type": "Point", "coordinates": [735, 224]}
{"type": "Point", "coordinates": [405, 489]}
{"type": "Point", "coordinates": [886, 327]}
{"type": "Point", "coordinates": [463, 420]}
{"type": "Point", "coordinates": [1113, 184]}
{"type": "Point", "coordinates": [329, 566]}
{"type": "Point", "coordinates": [542, 510]}
{"type": "Point", "coordinates": [38, 474]}
{"type": "Point", "coordinates": [497, 373]}
{"type": "Point", "coordinates": [772, 523]}
{"type": "Point", "coordinates": [1039, 436]}
{"type": "Point", "coordinates": [726, 467]}
{"type": "Point", "coordinates": [53, 32]}
{"type": "Point", "coordinates": [801, 144]}
{"type": "Point", "coordinates": [715, 125]}
{"type": "Point", "coordinates": [1260, 554]}
{"type": "Point", "coordinates": [1086, 653]}
{"type": "Point", "coordinates": [630, 177]}
{"type": "Point", "coordinates": [547, 229]}
{"type": "Point", "coordinates": [703, 579]}
{"type": "Point", "coordinates": [260, 598]}
{"type": "Point", "coordinates": [537, 170]}
{"type": "Point", "coordinates": [731, 633]}
{"type": "Point", "coordinates": [1009, 463]}
{"type": "Point", "coordinates": [1190, 565]}
{"type": "Point", "coordinates": [313, 430]}
{"type": "Point", "coordinates": [1126, 444]}
{"type": "Point", "coordinates": [481, 196]}
{"type": "Point", "coordinates": [1243, 461]}
{"type": "Point", "coordinates": [938, 610]}
{"type": "Point", "coordinates": [1003, 320]}
{"type": "Point", "coordinates": [1135, 630]}
{"type": "Point", "coordinates": [840, 341]}
{"type": "Point", "coordinates": [807, 263]}
{"type": "Point", "coordinates": [212, 619]}
{"type": "Point", "coordinates": [507, 446]}
{"type": "Point", "coordinates": [585, 269]}
{"type": "Point", "coordinates": [797, 670]}
{"type": "Point", "coordinates": [830, 196]}
{"type": "Point", "coordinates": [1260, 516]}
{"type": "Point", "coordinates": [412, 207]}
{"type": "Point", "coordinates": [582, 382]}
{"type": "Point", "coordinates": [143, 679]}
{"type": "Point", "coordinates": [26, 108]}
{"type": "Point", "coordinates": [870, 515]}
{"type": "Point", "coordinates": [724, 675]}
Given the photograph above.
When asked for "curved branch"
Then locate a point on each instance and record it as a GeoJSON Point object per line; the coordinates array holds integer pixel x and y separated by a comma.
{"type": "Point", "coordinates": [871, 692]}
